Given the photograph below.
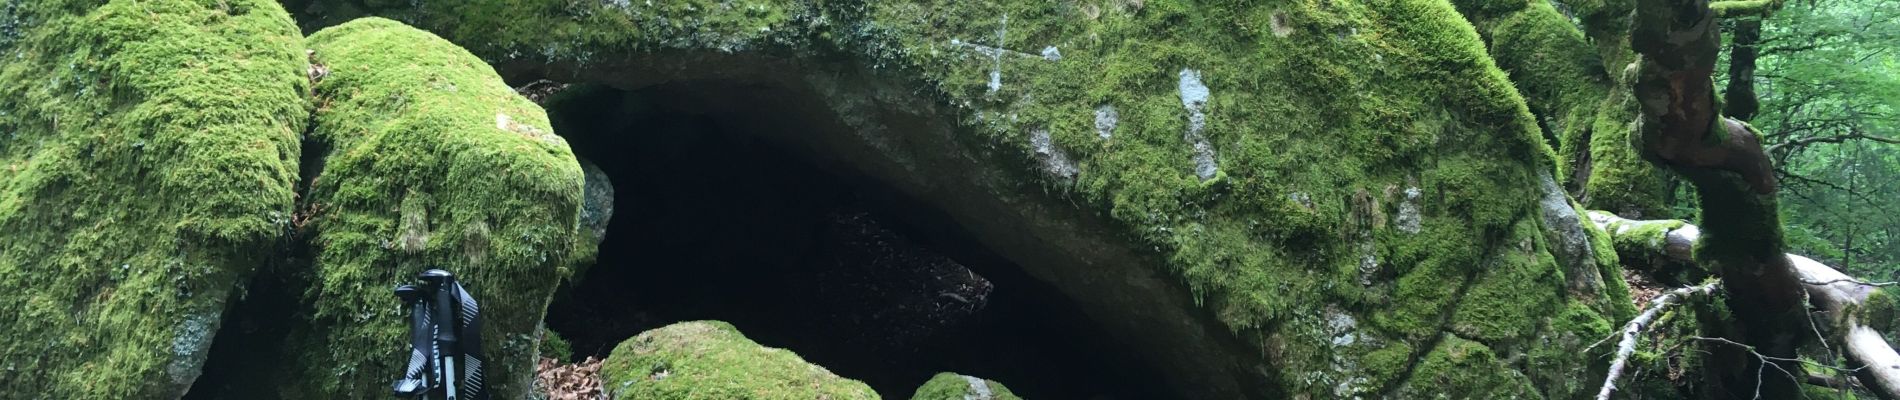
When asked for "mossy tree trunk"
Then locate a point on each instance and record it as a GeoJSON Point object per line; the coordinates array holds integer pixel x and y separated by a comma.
{"type": "Point", "coordinates": [1680, 129]}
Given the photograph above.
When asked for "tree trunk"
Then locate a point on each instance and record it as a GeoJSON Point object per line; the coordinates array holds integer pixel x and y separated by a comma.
{"type": "Point", "coordinates": [1837, 297]}
{"type": "Point", "coordinates": [1680, 129]}
{"type": "Point", "coordinates": [1739, 99]}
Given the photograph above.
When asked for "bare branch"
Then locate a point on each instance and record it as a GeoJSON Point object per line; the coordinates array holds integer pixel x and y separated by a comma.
{"type": "Point", "coordinates": [1797, 144]}
{"type": "Point", "coordinates": [1875, 363]}
{"type": "Point", "coordinates": [1636, 326]}
{"type": "Point", "coordinates": [1849, 280]}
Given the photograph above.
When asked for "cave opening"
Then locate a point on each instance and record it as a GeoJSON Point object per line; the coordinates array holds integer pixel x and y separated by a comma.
{"type": "Point", "coordinates": [714, 218]}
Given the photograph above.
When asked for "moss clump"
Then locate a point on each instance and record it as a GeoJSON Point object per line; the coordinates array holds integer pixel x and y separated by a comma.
{"type": "Point", "coordinates": [1509, 296]}
{"type": "Point", "coordinates": [1620, 306]}
{"type": "Point", "coordinates": [711, 360]}
{"type": "Point", "coordinates": [433, 162]}
{"type": "Point", "coordinates": [148, 152]}
{"type": "Point", "coordinates": [555, 347]}
{"type": "Point", "coordinates": [1880, 310]}
{"type": "Point", "coordinates": [951, 386]}
{"type": "Point", "coordinates": [1561, 78]}
{"type": "Point", "coordinates": [1466, 369]}
{"type": "Point", "coordinates": [1620, 180]}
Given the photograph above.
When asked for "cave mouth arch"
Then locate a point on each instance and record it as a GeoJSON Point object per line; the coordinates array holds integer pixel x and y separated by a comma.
{"type": "Point", "coordinates": [724, 211]}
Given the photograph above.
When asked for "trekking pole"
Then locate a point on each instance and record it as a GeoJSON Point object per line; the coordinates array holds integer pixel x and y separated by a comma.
{"type": "Point", "coordinates": [444, 339]}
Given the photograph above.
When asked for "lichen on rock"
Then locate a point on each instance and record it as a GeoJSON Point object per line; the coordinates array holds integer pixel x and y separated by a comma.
{"type": "Point", "coordinates": [953, 386]}
{"type": "Point", "coordinates": [148, 153]}
{"type": "Point", "coordinates": [711, 360]}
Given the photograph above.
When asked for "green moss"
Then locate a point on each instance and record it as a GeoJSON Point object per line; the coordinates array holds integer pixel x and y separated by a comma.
{"type": "Point", "coordinates": [1555, 363]}
{"type": "Point", "coordinates": [1561, 77]}
{"type": "Point", "coordinates": [433, 162]}
{"type": "Point", "coordinates": [950, 386]}
{"type": "Point", "coordinates": [555, 347]}
{"type": "Point", "coordinates": [148, 151]}
{"type": "Point", "coordinates": [711, 360]}
{"type": "Point", "coordinates": [1620, 180]}
{"type": "Point", "coordinates": [1371, 156]}
{"type": "Point", "coordinates": [1468, 369]}
{"type": "Point", "coordinates": [1619, 305]}
{"type": "Point", "coordinates": [1513, 294]}
{"type": "Point", "coordinates": [1880, 310]}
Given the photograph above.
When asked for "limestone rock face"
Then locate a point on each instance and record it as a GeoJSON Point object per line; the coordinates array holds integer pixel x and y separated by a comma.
{"type": "Point", "coordinates": [711, 360]}
{"type": "Point", "coordinates": [952, 386]}
{"type": "Point", "coordinates": [1263, 199]}
{"type": "Point", "coordinates": [148, 154]}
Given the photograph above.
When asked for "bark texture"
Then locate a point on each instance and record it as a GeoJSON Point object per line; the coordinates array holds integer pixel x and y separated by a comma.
{"type": "Point", "coordinates": [1680, 128]}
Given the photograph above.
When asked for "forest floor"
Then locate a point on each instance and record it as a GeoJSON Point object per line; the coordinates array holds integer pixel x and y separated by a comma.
{"type": "Point", "coordinates": [569, 381]}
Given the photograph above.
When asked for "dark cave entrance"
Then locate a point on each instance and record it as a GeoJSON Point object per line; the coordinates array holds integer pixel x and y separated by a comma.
{"type": "Point", "coordinates": [712, 220]}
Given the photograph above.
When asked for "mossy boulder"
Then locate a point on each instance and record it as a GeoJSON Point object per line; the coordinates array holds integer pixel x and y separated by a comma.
{"type": "Point", "coordinates": [428, 161]}
{"type": "Point", "coordinates": [1582, 99]}
{"type": "Point", "coordinates": [148, 154]}
{"type": "Point", "coordinates": [1261, 198]}
{"type": "Point", "coordinates": [711, 360]}
{"type": "Point", "coordinates": [951, 386]}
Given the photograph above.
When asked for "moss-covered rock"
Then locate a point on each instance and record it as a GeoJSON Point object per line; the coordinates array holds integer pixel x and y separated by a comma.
{"type": "Point", "coordinates": [1580, 99]}
{"type": "Point", "coordinates": [1263, 198]}
{"type": "Point", "coordinates": [1465, 369]}
{"type": "Point", "coordinates": [951, 386]}
{"type": "Point", "coordinates": [711, 360]}
{"type": "Point", "coordinates": [431, 162]}
{"type": "Point", "coordinates": [148, 153]}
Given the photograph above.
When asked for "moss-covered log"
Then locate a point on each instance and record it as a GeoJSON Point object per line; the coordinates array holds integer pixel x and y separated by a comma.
{"type": "Point", "coordinates": [711, 360]}
{"type": "Point", "coordinates": [431, 162]}
{"type": "Point", "coordinates": [148, 153]}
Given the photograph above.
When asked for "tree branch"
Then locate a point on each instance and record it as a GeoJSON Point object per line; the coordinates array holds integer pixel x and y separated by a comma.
{"type": "Point", "coordinates": [1875, 364]}
{"type": "Point", "coordinates": [1855, 134]}
{"type": "Point", "coordinates": [1634, 329]}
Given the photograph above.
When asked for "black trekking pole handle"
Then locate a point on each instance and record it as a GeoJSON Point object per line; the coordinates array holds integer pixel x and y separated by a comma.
{"type": "Point", "coordinates": [447, 344]}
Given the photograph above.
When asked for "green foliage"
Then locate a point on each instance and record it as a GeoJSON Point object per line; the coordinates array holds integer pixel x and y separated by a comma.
{"type": "Point", "coordinates": [711, 360]}
{"type": "Point", "coordinates": [433, 162]}
{"type": "Point", "coordinates": [950, 386]}
{"type": "Point", "coordinates": [148, 151]}
{"type": "Point", "coordinates": [1827, 70]}
{"type": "Point", "coordinates": [555, 347]}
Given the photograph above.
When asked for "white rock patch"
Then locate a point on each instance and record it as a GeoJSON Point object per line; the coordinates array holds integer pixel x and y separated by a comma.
{"type": "Point", "coordinates": [1194, 96]}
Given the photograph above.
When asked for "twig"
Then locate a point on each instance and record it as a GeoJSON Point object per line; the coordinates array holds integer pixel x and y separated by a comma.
{"type": "Point", "coordinates": [1635, 327]}
{"type": "Point", "coordinates": [1765, 362]}
{"type": "Point", "coordinates": [1849, 280]}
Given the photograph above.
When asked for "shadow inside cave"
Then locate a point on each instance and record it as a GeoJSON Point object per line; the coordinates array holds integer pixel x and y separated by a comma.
{"type": "Point", "coordinates": [713, 221]}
